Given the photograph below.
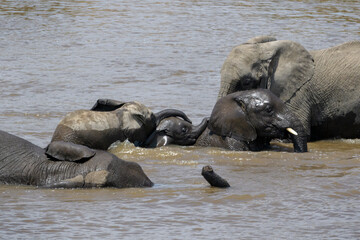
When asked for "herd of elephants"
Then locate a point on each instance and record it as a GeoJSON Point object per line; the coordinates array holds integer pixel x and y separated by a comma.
{"type": "Point", "coordinates": [270, 89]}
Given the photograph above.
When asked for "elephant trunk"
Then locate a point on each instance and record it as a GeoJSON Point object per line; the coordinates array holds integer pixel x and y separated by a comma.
{"type": "Point", "coordinates": [299, 137]}
{"type": "Point", "coordinates": [300, 143]}
{"type": "Point", "coordinates": [170, 113]}
{"type": "Point", "coordinates": [199, 129]}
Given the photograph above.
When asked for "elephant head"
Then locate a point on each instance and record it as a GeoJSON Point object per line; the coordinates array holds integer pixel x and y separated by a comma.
{"type": "Point", "coordinates": [262, 62]}
{"type": "Point", "coordinates": [177, 131]}
{"type": "Point", "coordinates": [256, 115]}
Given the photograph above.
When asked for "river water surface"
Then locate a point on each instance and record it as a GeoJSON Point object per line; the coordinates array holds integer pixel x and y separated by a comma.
{"type": "Point", "coordinates": [60, 56]}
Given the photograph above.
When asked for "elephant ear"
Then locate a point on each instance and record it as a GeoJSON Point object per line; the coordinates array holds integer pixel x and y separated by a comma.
{"type": "Point", "coordinates": [290, 67]}
{"type": "Point", "coordinates": [229, 119]}
{"type": "Point", "coordinates": [106, 105]}
{"type": "Point", "coordinates": [261, 39]}
{"type": "Point", "coordinates": [165, 125]}
{"type": "Point", "coordinates": [67, 151]}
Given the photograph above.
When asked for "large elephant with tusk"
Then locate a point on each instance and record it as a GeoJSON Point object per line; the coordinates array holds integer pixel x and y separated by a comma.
{"type": "Point", "coordinates": [321, 87]}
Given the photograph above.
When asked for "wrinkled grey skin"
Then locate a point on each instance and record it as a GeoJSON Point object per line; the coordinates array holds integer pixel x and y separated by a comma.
{"type": "Point", "coordinates": [65, 165]}
{"type": "Point", "coordinates": [248, 120]}
{"type": "Point", "coordinates": [110, 121]}
{"type": "Point", "coordinates": [175, 131]}
{"type": "Point", "coordinates": [321, 87]}
{"type": "Point", "coordinates": [245, 120]}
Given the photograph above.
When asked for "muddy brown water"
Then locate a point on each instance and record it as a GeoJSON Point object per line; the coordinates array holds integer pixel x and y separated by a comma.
{"type": "Point", "coordinates": [60, 56]}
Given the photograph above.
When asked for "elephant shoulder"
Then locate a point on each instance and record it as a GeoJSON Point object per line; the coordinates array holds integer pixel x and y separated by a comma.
{"type": "Point", "coordinates": [66, 151]}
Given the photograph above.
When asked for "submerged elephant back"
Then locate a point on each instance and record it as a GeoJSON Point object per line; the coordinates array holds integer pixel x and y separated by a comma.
{"type": "Point", "coordinates": [99, 130]}
{"type": "Point", "coordinates": [18, 157]}
{"type": "Point", "coordinates": [22, 162]}
{"type": "Point", "coordinates": [89, 128]}
{"type": "Point", "coordinates": [90, 120]}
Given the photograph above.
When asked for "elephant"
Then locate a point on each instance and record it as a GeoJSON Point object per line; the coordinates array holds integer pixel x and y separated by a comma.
{"type": "Point", "coordinates": [321, 87]}
{"type": "Point", "coordinates": [245, 120]}
{"type": "Point", "coordinates": [65, 165]}
{"type": "Point", "coordinates": [109, 121]}
{"type": "Point", "coordinates": [176, 131]}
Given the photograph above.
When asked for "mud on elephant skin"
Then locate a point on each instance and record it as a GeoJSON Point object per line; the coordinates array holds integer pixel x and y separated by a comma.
{"type": "Point", "coordinates": [245, 120]}
{"type": "Point", "coordinates": [65, 165]}
{"type": "Point", "coordinates": [109, 121]}
{"type": "Point", "coordinates": [321, 87]}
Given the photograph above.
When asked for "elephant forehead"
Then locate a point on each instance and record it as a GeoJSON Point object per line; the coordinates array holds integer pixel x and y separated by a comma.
{"type": "Point", "coordinates": [261, 96]}
{"type": "Point", "coordinates": [258, 102]}
{"type": "Point", "coordinates": [84, 119]}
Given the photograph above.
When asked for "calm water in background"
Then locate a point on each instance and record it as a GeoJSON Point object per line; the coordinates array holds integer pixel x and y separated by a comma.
{"type": "Point", "coordinates": [59, 56]}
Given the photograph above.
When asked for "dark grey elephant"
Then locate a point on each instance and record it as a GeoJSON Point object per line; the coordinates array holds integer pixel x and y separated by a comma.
{"type": "Point", "coordinates": [65, 165]}
{"type": "Point", "coordinates": [321, 87]}
{"type": "Point", "coordinates": [110, 121]}
{"type": "Point", "coordinates": [245, 120]}
{"type": "Point", "coordinates": [175, 131]}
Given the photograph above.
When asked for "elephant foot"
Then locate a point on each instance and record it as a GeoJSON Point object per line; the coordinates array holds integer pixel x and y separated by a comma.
{"type": "Point", "coordinates": [213, 179]}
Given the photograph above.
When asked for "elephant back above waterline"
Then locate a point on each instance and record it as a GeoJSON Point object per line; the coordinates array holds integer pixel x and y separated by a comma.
{"type": "Point", "coordinates": [321, 87]}
{"type": "Point", "coordinates": [109, 121]}
{"type": "Point", "coordinates": [65, 165]}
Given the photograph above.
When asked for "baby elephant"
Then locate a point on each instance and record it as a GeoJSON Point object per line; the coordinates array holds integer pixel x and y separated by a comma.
{"type": "Point", "coordinates": [176, 131]}
{"type": "Point", "coordinates": [65, 165]}
{"type": "Point", "coordinates": [110, 121]}
{"type": "Point", "coordinates": [245, 120]}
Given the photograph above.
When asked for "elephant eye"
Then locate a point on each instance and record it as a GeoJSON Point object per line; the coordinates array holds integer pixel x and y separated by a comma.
{"type": "Point", "coordinates": [184, 130]}
{"type": "Point", "coordinates": [268, 109]}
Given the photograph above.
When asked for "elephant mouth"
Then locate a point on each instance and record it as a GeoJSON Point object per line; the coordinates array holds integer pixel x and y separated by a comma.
{"type": "Point", "coordinates": [273, 132]}
{"type": "Point", "coordinates": [190, 140]}
{"type": "Point", "coordinates": [184, 140]}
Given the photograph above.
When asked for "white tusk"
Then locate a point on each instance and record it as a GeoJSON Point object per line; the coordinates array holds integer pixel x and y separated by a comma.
{"type": "Point", "coordinates": [292, 131]}
{"type": "Point", "coordinates": [166, 140]}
